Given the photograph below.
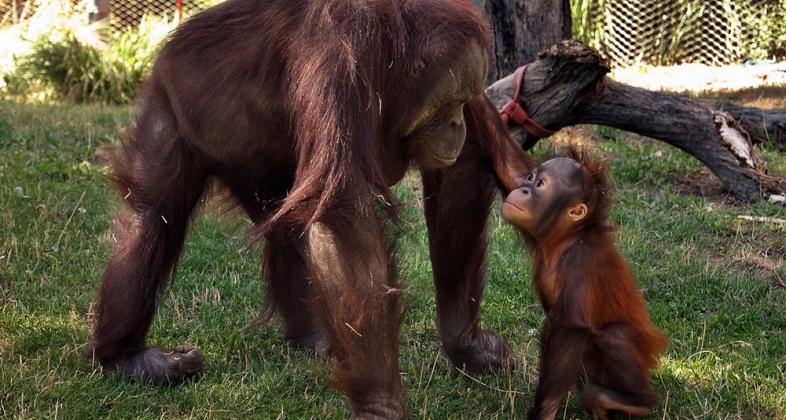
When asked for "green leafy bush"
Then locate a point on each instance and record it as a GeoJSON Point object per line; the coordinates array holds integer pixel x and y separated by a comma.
{"type": "Point", "coordinates": [80, 71]}
{"type": "Point", "coordinates": [768, 30]}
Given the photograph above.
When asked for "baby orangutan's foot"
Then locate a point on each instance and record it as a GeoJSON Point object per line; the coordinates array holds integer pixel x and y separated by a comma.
{"type": "Point", "coordinates": [599, 400]}
{"type": "Point", "coordinates": [161, 367]}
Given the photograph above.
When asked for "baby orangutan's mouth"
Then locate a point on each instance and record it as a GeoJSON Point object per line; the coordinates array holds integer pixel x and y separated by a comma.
{"type": "Point", "coordinates": [514, 206]}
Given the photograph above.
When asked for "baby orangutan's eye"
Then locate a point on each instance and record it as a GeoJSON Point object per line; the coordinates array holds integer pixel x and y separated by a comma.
{"type": "Point", "coordinates": [530, 177]}
{"type": "Point", "coordinates": [540, 183]}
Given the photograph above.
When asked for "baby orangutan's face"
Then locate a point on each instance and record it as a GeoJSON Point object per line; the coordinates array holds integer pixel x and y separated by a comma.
{"type": "Point", "coordinates": [549, 201]}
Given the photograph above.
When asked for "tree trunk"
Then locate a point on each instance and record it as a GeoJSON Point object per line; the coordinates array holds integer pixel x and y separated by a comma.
{"type": "Point", "coordinates": [567, 85]}
{"type": "Point", "coordinates": [101, 10]}
{"type": "Point", "coordinates": [522, 28]}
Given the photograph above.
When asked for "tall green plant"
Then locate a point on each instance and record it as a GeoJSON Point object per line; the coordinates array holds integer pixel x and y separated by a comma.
{"type": "Point", "coordinates": [668, 44]}
{"type": "Point", "coordinates": [81, 72]}
{"type": "Point", "coordinates": [588, 25]}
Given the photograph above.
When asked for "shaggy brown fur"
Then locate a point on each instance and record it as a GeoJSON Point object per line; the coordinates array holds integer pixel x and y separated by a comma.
{"type": "Point", "coordinates": [308, 111]}
{"type": "Point", "coordinates": [596, 319]}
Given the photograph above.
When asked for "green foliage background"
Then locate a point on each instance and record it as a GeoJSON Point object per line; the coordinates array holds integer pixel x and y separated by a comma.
{"type": "Point", "coordinates": [757, 27]}
{"type": "Point", "coordinates": [78, 71]}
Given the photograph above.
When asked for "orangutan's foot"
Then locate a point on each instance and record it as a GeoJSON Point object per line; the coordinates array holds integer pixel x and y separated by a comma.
{"type": "Point", "coordinates": [162, 367]}
{"type": "Point", "coordinates": [483, 351]}
{"type": "Point", "coordinates": [383, 409]}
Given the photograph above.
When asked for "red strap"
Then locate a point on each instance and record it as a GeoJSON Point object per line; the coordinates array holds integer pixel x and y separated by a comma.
{"type": "Point", "coordinates": [513, 110]}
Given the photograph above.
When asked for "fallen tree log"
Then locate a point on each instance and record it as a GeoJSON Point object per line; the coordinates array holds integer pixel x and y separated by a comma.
{"type": "Point", "coordinates": [567, 85]}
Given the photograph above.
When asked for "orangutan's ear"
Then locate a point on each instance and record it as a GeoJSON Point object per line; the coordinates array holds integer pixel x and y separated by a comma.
{"type": "Point", "coordinates": [578, 212]}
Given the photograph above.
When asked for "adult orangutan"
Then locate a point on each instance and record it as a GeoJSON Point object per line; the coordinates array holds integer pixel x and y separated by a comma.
{"type": "Point", "coordinates": [308, 111]}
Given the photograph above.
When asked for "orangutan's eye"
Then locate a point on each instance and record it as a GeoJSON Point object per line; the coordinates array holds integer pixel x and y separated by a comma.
{"type": "Point", "coordinates": [530, 177]}
{"type": "Point", "coordinates": [540, 183]}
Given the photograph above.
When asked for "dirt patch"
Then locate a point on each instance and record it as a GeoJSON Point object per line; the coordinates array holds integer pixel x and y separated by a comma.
{"type": "Point", "coordinates": [579, 135]}
{"type": "Point", "coordinates": [709, 187]}
{"type": "Point", "coordinates": [755, 248]}
{"type": "Point", "coordinates": [759, 263]}
{"type": "Point", "coordinates": [700, 78]}
{"type": "Point", "coordinates": [704, 185]}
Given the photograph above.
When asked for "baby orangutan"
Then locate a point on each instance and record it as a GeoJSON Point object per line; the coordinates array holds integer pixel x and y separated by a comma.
{"type": "Point", "coordinates": [596, 320]}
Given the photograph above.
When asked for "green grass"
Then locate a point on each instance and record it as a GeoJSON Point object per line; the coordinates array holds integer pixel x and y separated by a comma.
{"type": "Point", "coordinates": [714, 283]}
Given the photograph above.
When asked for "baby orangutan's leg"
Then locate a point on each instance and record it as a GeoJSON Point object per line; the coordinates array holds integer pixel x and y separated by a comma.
{"type": "Point", "coordinates": [620, 379]}
{"type": "Point", "coordinates": [599, 400]}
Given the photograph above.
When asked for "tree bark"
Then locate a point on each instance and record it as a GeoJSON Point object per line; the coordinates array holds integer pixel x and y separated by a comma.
{"type": "Point", "coordinates": [764, 125]}
{"type": "Point", "coordinates": [567, 85]}
{"type": "Point", "coordinates": [522, 28]}
{"type": "Point", "coordinates": [102, 10]}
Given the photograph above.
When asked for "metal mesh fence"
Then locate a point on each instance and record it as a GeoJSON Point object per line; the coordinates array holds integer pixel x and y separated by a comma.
{"type": "Point", "coordinates": [121, 13]}
{"type": "Point", "coordinates": [15, 11]}
{"type": "Point", "coordinates": [125, 13]}
{"type": "Point", "coordinates": [712, 32]}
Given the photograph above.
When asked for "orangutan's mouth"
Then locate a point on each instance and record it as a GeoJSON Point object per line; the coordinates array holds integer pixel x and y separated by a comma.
{"type": "Point", "coordinates": [513, 205]}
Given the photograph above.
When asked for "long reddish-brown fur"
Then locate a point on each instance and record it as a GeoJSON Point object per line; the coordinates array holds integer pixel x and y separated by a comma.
{"type": "Point", "coordinates": [289, 104]}
{"type": "Point", "coordinates": [611, 291]}
{"type": "Point", "coordinates": [596, 316]}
